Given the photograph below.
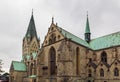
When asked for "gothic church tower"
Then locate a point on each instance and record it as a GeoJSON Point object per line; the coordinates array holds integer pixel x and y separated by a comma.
{"type": "Point", "coordinates": [31, 43]}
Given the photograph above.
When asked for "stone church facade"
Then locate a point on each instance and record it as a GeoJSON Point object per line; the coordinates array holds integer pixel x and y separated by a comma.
{"type": "Point", "coordinates": [64, 57]}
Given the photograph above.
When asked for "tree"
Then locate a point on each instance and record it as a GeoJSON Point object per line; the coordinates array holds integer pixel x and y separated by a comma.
{"type": "Point", "coordinates": [1, 71]}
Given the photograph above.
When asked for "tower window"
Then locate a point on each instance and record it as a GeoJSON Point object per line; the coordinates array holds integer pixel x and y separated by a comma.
{"type": "Point", "coordinates": [116, 72]}
{"type": "Point", "coordinates": [101, 72]}
{"type": "Point", "coordinates": [104, 57]}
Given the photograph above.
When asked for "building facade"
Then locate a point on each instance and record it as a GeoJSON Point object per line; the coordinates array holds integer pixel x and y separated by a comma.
{"type": "Point", "coordinates": [64, 57]}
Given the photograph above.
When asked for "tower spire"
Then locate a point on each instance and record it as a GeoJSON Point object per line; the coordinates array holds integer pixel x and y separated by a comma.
{"type": "Point", "coordinates": [31, 31]}
{"type": "Point", "coordinates": [87, 31]}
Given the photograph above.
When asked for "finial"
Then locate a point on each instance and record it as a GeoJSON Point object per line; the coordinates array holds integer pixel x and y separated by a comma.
{"type": "Point", "coordinates": [87, 13]}
{"type": "Point", "coordinates": [52, 19]}
{"type": "Point", "coordinates": [32, 11]}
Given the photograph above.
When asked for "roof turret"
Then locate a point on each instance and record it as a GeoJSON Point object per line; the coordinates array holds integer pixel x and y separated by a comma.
{"type": "Point", "coordinates": [87, 29]}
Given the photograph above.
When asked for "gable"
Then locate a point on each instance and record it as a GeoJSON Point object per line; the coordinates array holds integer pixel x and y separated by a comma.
{"type": "Point", "coordinates": [95, 44]}
{"type": "Point", "coordinates": [59, 32]}
{"type": "Point", "coordinates": [53, 32]}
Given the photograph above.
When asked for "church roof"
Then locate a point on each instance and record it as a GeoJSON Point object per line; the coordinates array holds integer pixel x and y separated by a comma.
{"type": "Point", "coordinates": [73, 37]}
{"type": "Point", "coordinates": [105, 41]}
{"type": "Point", "coordinates": [95, 44]}
{"type": "Point", "coordinates": [31, 31]}
{"type": "Point", "coordinates": [19, 66]}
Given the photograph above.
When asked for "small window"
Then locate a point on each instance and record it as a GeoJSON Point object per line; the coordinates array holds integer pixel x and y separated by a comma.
{"type": "Point", "coordinates": [104, 57]}
{"type": "Point", "coordinates": [115, 63]}
{"type": "Point", "coordinates": [52, 28]}
{"type": "Point", "coordinates": [89, 81]}
{"type": "Point", "coordinates": [58, 36]}
{"type": "Point", "coordinates": [45, 69]}
{"type": "Point", "coordinates": [116, 72]}
{"type": "Point", "coordinates": [34, 80]}
{"type": "Point", "coordinates": [89, 73]}
{"type": "Point", "coordinates": [90, 59]}
{"type": "Point", "coordinates": [101, 72]}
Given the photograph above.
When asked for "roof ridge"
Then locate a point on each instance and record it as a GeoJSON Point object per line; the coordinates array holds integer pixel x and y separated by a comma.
{"type": "Point", "coordinates": [15, 61]}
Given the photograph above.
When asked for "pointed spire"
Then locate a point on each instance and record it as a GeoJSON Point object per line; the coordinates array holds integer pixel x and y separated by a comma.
{"type": "Point", "coordinates": [87, 30]}
{"type": "Point", "coordinates": [31, 31]}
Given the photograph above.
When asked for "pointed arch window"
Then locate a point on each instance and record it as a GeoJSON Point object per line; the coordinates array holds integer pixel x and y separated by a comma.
{"type": "Point", "coordinates": [104, 57]}
{"type": "Point", "coordinates": [101, 72]}
{"type": "Point", "coordinates": [50, 41]}
{"type": "Point", "coordinates": [31, 68]}
{"type": "Point", "coordinates": [52, 61]}
{"type": "Point", "coordinates": [52, 38]}
{"type": "Point", "coordinates": [77, 60]}
{"type": "Point", "coordinates": [116, 72]}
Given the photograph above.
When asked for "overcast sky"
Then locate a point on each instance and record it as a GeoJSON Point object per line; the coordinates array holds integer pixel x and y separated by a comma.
{"type": "Point", "coordinates": [104, 18]}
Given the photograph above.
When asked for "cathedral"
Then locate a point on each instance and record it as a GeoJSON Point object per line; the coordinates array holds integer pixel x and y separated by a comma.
{"type": "Point", "coordinates": [64, 57]}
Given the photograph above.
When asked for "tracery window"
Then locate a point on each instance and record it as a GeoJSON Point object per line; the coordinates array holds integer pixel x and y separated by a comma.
{"type": "Point", "coordinates": [101, 72]}
{"type": "Point", "coordinates": [52, 38]}
{"type": "Point", "coordinates": [116, 72]}
{"type": "Point", "coordinates": [52, 61]}
{"type": "Point", "coordinates": [104, 57]}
